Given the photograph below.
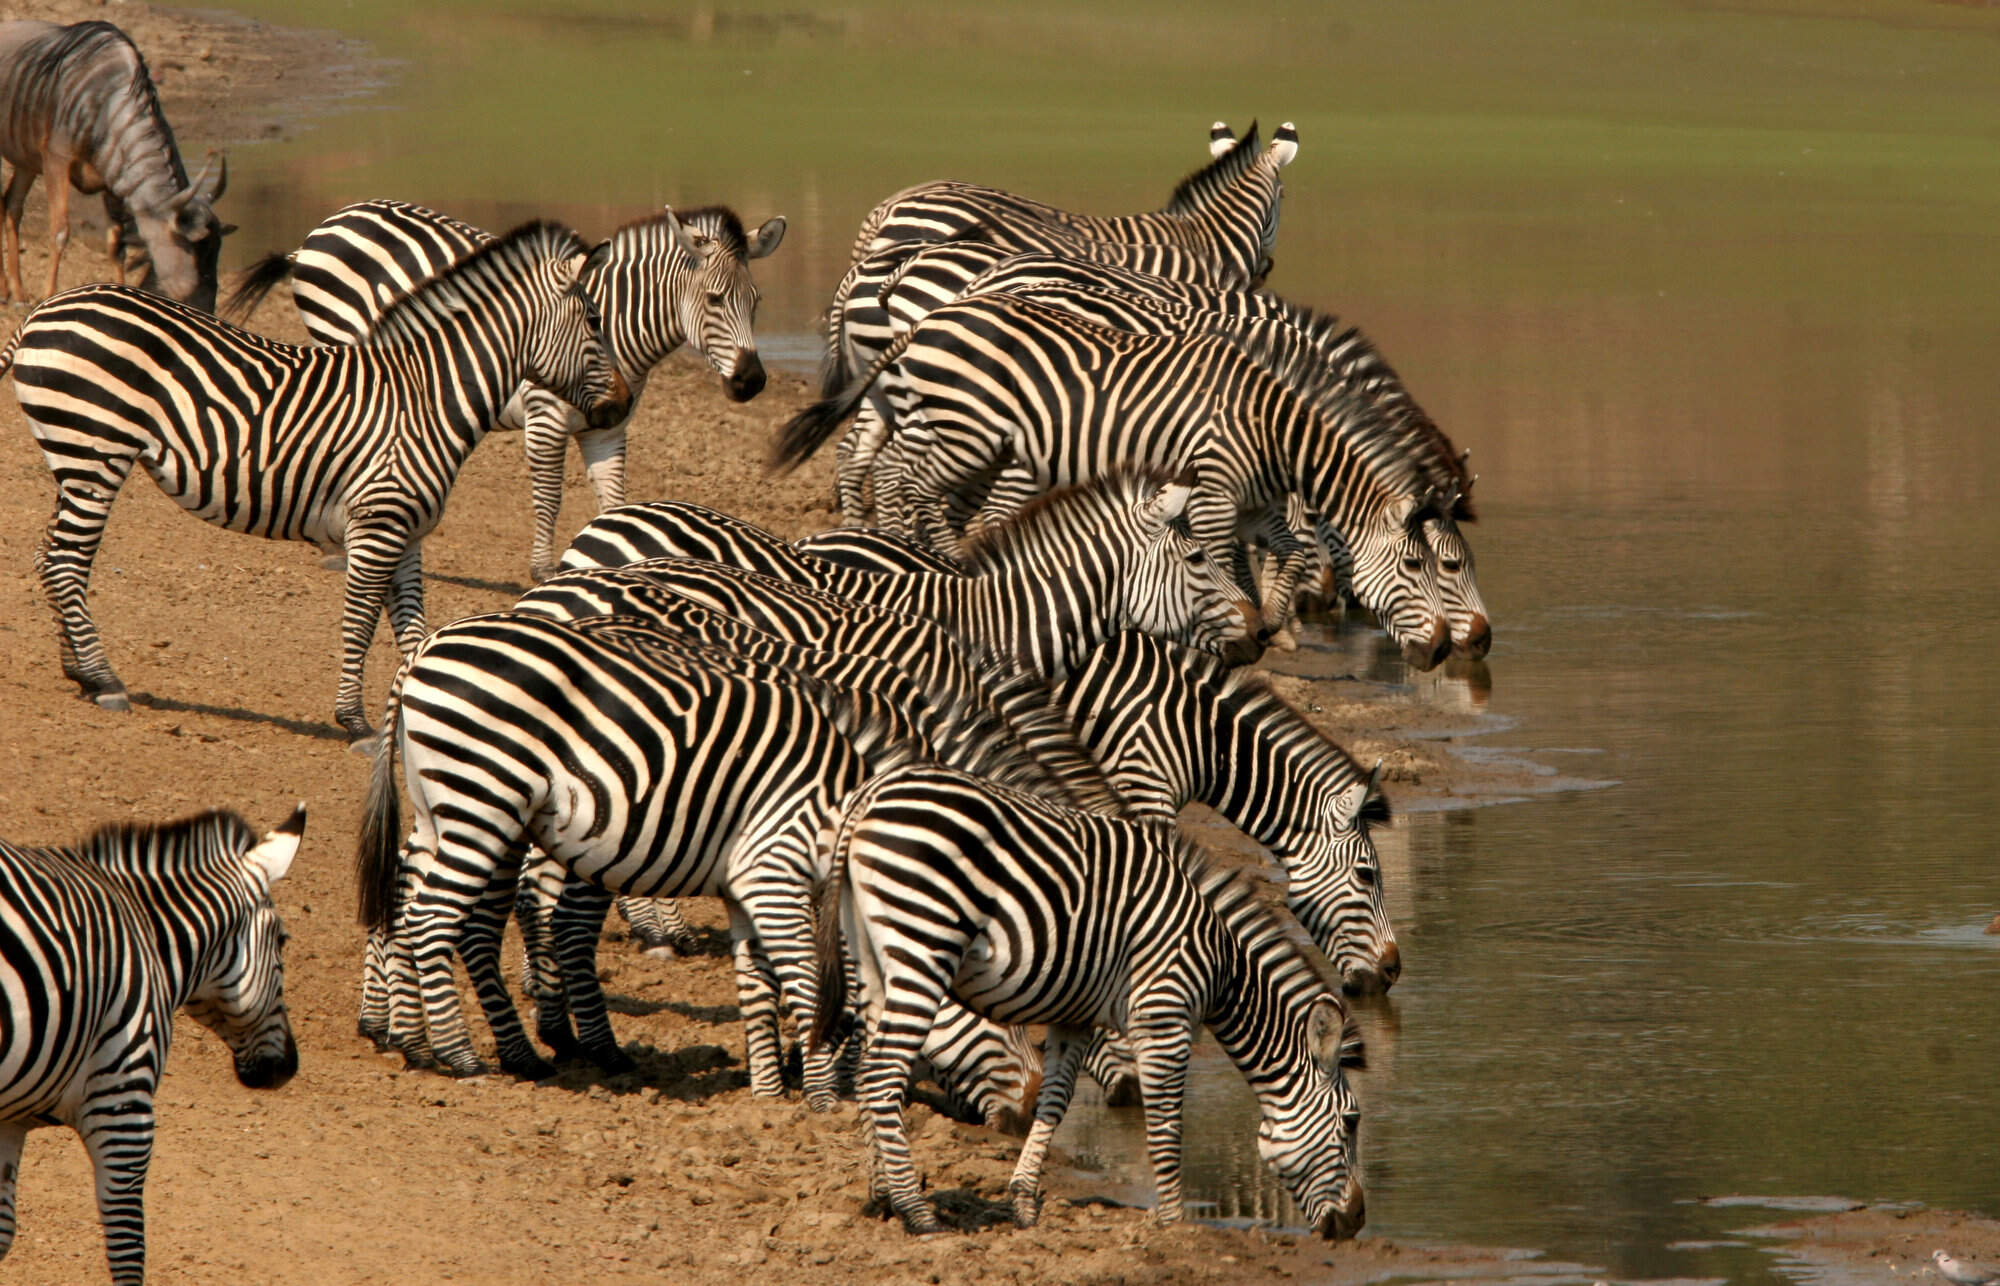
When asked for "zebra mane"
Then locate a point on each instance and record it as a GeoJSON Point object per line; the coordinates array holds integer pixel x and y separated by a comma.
{"type": "Point", "coordinates": [1360, 370]}
{"type": "Point", "coordinates": [1216, 175]}
{"type": "Point", "coordinates": [433, 299]}
{"type": "Point", "coordinates": [1046, 755]}
{"type": "Point", "coordinates": [142, 846]}
{"type": "Point", "coordinates": [1040, 525]}
{"type": "Point", "coordinates": [1242, 900]}
{"type": "Point", "coordinates": [85, 41]}
{"type": "Point", "coordinates": [717, 222]}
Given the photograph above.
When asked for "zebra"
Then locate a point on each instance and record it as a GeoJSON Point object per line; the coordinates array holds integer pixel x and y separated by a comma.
{"type": "Point", "coordinates": [1151, 304]}
{"type": "Point", "coordinates": [664, 769]}
{"type": "Point", "coordinates": [1225, 214]}
{"type": "Point", "coordinates": [353, 447]}
{"type": "Point", "coordinates": [1026, 912]}
{"type": "Point", "coordinates": [77, 104]}
{"type": "Point", "coordinates": [666, 280]}
{"type": "Point", "coordinates": [873, 549]}
{"type": "Point", "coordinates": [99, 944]}
{"type": "Point", "coordinates": [998, 377]}
{"type": "Point", "coordinates": [1169, 724]}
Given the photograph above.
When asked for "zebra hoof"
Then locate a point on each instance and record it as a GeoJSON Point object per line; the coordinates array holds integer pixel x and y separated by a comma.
{"type": "Point", "coordinates": [822, 1101]}
{"type": "Point", "coordinates": [923, 1223]}
{"type": "Point", "coordinates": [528, 1068]}
{"type": "Point", "coordinates": [466, 1069]}
{"type": "Point", "coordinates": [539, 572]}
{"type": "Point", "coordinates": [334, 562]}
{"type": "Point", "coordinates": [367, 746]}
{"type": "Point", "coordinates": [112, 699]}
{"type": "Point", "coordinates": [378, 1037]}
{"type": "Point", "coordinates": [612, 1061]}
{"type": "Point", "coordinates": [1027, 1208]}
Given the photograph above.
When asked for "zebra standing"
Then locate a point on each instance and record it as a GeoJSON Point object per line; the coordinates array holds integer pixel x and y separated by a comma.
{"type": "Point", "coordinates": [666, 280]}
{"type": "Point", "coordinates": [78, 105]}
{"type": "Point", "coordinates": [345, 447]}
{"type": "Point", "coordinates": [99, 945]}
{"type": "Point", "coordinates": [1027, 912]}
{"type": "Point", "coordinates": [1000, 380]}
{"type": "Point", "coordinates": [1231, 226]}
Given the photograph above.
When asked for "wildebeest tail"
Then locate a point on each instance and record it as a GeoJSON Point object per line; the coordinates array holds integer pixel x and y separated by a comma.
{"type": "Point", "coordinates": [257, 281]}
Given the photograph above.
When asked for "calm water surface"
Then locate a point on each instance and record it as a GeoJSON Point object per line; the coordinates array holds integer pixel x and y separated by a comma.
{"type": "Point", "coordinates": [1709, 290]}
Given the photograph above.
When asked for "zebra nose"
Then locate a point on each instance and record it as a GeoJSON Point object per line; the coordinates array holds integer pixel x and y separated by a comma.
{"type": "Point", "coordinates": [1391, 965]}
{"type": "Point", "coordinates": [747, 381]}
{"type": "Point", "coordinates": [1478, 639]}
{"type": "Point", "coordinates": [614, 406]}
{"type": "Point", "coordinates": [269, 1072]}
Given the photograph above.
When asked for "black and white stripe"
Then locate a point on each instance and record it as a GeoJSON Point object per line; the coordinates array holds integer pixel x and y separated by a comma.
{"type": "Point", "coordinates": [354, 447]}
{"type": "Point", "coordinates": [666, 280]}
{"type": "Point", "coordinates": [1026, 912]}
{"type": "Point", "coordinates": [99, 944]}
{"type": "Point", "coordinates": [1044, 398]}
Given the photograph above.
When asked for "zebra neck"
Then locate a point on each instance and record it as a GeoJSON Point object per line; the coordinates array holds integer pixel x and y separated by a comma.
{"type": "Point", "coordinates": [1248, 1012]}
{"type": "Point", "coordinates": [641, 319]}
{"type": "Point", "coordinates": [158, 906]}
{"type": "Point", "coordinates": [1036, 615]}
{"type": "Point", "coordinates": [466, 382]}
{"type": "Point", "coordinates": [1262, 767]}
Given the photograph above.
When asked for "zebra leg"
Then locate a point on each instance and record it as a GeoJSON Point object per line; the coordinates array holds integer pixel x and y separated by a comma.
{"type": "Point", "coordinates": [409, 1035]}
{"type": "Point", "coordinates": [535, 898]}
{"type": "Point", "coordinates": [1060, 1060]}
{"type": "Point", "coordinates": [894, 1044]}
{"type": "Point", "coordinates": [373, 1024]}
{"type": "Point", "coordinates": [479, 947]}
{"type": "Point", "coordinates": [380, 555]}
{"type": "Point", "coordinates": [757, 997]}
{"type": "Point", "coordinates": [778, 902]}
{"type": "Point", "coordinates": [859, 450]}
{"type": "Point", "coordinates": [12, 1135]}
{"type": "Point", "coordinates": [1161, 1047]}
{"type": "Point", "coordinates": [117, 1131]}
{"type": "Point", "coordinates": [577, 926]}
{"type": "Point", "coordinates": [68, 548]}
{"type": "Point", "coordinates": [1015, 486]}
{"type": "Point", "coordinates": [658, 925]}
{"type": "Point", "coordinates": [1109, 1062]}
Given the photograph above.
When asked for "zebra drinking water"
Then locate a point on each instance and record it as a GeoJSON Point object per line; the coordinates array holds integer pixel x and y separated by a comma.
{"type": "Point", "coordinates": [351, 447]}
{"type": "Point", "coordinates": [1026, 912]}
{"type": "Point", "coordinates": [665, 280]}
{"type": "Point", "coordinates": [78, 105]}
{"type": "Point", "coordinates": [99, 944]}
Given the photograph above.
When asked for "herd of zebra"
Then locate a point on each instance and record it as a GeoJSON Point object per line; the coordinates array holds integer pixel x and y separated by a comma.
{"type": "Point", "coordinates": [931, 766]}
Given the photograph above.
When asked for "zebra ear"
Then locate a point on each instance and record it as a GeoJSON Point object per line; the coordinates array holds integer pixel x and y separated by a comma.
{"type": "Point", "coordinates": [1285, 144]}
{"type": "Point", "coordinates": [599, 253]}
{"type": "Point", "coordinates": [682, 237]}
{"type": "Point", "coordinates": [1220, 138]}
{"type": "Point", "coordinates": [1170, 502]}
{"type": "Point", "coordinates": [1326, 1032]}
{"type": "Point", "coordinates": [1347, 808]}
{"type": "Point", "coordinates": [273, 855]}
{"type": "Point", "coordinates": [766, 238]}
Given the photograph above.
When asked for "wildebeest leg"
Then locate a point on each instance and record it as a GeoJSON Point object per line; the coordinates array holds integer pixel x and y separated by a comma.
{"type": "Point", "coordinates": [68, 547]}
{"type": "Point", "coordinates": [16, 200]}
{"type": "Point", "coordinates": [114, 235]}
{"type": "Point", "coordinates": [58, 220]}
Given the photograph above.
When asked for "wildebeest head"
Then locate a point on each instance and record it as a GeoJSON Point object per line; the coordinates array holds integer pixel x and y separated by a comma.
{"type": "Point", "coordinates": [183, 238]}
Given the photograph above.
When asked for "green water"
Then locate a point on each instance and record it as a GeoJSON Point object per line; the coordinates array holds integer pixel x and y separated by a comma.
{"type": "Point", "coordinates": [1710, 289]}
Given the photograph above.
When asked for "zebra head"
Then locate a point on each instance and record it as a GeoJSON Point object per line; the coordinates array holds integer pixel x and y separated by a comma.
{"type": "Point", "coordinates": [1334, 887]}
{"type": "Point", "coordinates": [1175, 590]}
{"type": "Point", "coordinates": [566, 349]}
{"type": "Point", "coordinates": [717, 299]}
{"type": "Point", "coordinates": [240, 993]}
{"type": "Point", "coordinates": [1471, 632]}
{"type": "Point", "coordinates": [183, 238]}
{"type": "Point", "coordinates": [1395, 575]}
{"type": "Point", "coordinates": [1311, 1136]}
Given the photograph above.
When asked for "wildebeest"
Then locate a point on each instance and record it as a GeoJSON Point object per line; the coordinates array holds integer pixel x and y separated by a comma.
{"type": "Point", "coordinates": [77, 104]}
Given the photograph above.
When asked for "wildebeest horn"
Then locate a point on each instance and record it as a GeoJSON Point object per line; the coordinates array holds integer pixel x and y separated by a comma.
{"type": "Point", "coordinates": [218, 164]}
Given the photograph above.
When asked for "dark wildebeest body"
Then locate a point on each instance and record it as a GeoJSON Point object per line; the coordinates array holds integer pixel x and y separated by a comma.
{"type": "Point", "coordinates": [77, 104]}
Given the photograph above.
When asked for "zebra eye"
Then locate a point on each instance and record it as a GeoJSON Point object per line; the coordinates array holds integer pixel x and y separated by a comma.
{"type": "Point", "coordinates": [715, 297]}
{"type": "Point", "coordinates": [1365, 874]}
{"type": "Point", "coordinates": [1197, 557]}
{"type": "Point", "coordinates": [1450, 564]}
{"type": "Point", "coordinates": [1413, 563]}
{"type": "Point", "coordinates": [1352, 1121]}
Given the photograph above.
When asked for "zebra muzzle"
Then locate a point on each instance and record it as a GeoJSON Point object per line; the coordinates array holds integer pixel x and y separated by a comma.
{"type": "Point", "coordinates": [269, 1071]}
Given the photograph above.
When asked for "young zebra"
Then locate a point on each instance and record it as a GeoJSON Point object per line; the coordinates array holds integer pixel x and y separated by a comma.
{"type": "Point", "coordinates": [354, 447]}
{"type": "Point", "coordinates": [99, 944]}
{"type": "Point", "coordinates": [665, 280]}
{"type": "Point", "coordinates": [1000, 383]}
{"type": "Point", "coordinates": [1230, 225]}
{"type": "Point", "coordinates": [1026, 912]}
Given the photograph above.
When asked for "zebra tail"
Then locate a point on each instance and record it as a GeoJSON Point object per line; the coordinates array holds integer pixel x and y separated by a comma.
{"type": "Point", "coordinates": [828, 1018]}
{"type": "Point", "coordinates": [807, 431]}
{"type": "Point", "coordinates": [13, 346]}
{"type": "Point", "coordinates": [378, 850]}
{"type": "Point", "coordinates": [257, 281]}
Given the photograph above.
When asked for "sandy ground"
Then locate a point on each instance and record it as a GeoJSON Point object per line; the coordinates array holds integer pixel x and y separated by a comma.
{"type": "Point", "coordinates": [359, 1171]}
